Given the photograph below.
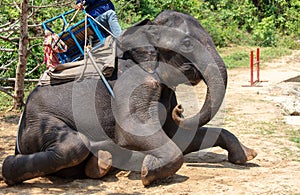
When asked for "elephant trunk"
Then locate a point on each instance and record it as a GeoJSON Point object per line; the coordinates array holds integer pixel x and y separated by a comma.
{"type": "Point", "coordinates": [215, 77]}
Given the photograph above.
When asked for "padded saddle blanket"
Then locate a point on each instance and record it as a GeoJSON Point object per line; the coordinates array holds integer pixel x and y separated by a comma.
{"type": "Point", "coordinates": [103, 56]}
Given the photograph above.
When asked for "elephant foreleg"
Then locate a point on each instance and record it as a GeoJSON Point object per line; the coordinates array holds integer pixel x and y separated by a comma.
{"type": "Point", "coordinates": [68, 151]}
{"type": "Point", "coordinates": [163, 157]}
{"type": "Point", "coordinates": [161, 163]}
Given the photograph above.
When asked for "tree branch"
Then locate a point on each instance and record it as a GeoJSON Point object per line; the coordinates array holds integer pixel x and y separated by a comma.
{"type": "Point", "coordinates": [34, 25]}
{"type": "Point", "coordinates": [16, 39]}
{"type": "Point", "coordinates": [4, 68]}
{"type": "Point", "coordinates": [16, 6]}
{"type": "Point", "coordinates": [37, 59]}
{"type": "Point", "coordinates": [7, 92]}
{"type": "Point", "coordinates": [11, 26]}
{"type": "Point", "coordinates": [6, 49]}
{"type": "Point", "coordinates": [51, 5]}
{"type": "Point", "coordinates": [35, 68]}
{"type": "Point", "coordinates": [13, 39]}
{"type": "Point", "coordinates": [10, 63]}
{"type": "Point", "coordinates": [5, 25]}
{"type": "Point", "coordinates": [13, 80]}
{"type": "Point", "coordinates": [32, 46]}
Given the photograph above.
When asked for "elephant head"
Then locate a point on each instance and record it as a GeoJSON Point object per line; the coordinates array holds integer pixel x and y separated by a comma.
{"type": "Point", "coordinates": [177, 44]}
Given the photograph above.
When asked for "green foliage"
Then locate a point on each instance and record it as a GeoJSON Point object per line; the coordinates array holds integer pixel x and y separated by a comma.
{"type": "Point", "coordinates": [227, 21]}
{"type": "Point", "coordinates": [10, 14]}
{"type": "Point", "coordinates": [5, 102]}
{"type": "Point", "coordinates": [264, 33]}
{"type": "Point", "coordinates": [130, 12]}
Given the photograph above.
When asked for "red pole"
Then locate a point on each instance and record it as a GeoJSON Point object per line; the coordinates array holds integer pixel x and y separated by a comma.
{"type": "Point", "coordinates": [258, 63]}
{"type": "Point", "coordinates": [251, 68]}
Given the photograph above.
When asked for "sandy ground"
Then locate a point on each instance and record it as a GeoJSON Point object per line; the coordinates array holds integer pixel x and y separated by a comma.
{"type": "Point", "coordinates": [251, 113]}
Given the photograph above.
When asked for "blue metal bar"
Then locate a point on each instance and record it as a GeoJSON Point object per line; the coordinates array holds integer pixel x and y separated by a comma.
{"type": "Point", "coordinates": [77, 43]}
{"type": "Point", "coordinates": [76, 51]}
{"type": "Point", "coordinates": [110, 90]}
{"type": "Point", "coordinates": [99, 33]}
{"type": "Point", "coordinates": [62, 16]}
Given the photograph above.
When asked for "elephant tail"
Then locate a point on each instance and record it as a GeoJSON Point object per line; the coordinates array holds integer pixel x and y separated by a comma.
{"type": "Point", "coordinates": [20, 125]}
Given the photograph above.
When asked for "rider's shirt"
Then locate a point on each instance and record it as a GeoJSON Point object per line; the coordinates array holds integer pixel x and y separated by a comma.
{"type": "Point", "coordinates": [97, 7]}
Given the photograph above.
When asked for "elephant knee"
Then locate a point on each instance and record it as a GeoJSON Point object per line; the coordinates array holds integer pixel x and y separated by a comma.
{"type": "Point", "coordinates": [73, 150]}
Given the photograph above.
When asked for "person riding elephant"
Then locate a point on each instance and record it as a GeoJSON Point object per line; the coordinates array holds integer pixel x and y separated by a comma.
{"type": "Point", "coordinates": [104, 12]}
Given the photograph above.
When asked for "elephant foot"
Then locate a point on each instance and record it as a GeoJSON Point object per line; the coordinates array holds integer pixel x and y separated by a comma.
{"type": "Point", "coordinates": [148, 175]}
{"type": "Point", "coordinates": [242, 157]}
{"type": "Point", "coordinates": [98, 167]}
{"type": "Point", "coordinates": [154, 169]}
{"type": "Point", "coordinates": [147, 179]}
{"type": "Point", "coordinates": [8, 174]}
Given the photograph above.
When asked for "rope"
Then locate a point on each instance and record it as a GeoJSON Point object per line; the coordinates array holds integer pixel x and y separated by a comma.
{"type": "Point", "coordinates": [85, 49]}
{"type": "Point", "coordinates": [87, 53]}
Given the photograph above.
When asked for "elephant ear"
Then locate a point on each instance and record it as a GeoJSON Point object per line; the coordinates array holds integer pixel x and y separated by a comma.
{"type": "Point", "coordinates": [143, 22]}
{"type": "Point", "coordinates": [135, 46]}
{"type": "Point", "coordinates": [135, 27]}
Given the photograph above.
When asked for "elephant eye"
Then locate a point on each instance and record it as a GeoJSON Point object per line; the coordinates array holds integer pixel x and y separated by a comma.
{"type": "Point", "coordinates": [187, 45]}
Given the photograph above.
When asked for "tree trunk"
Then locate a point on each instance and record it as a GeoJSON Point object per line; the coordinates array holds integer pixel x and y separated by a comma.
{"type": "Point", "coordinates": [23, 56]}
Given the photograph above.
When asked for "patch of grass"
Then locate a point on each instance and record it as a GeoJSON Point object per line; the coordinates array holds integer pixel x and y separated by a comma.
{"type": "Point", "coordinates": [295, 136]}
{"type": "Point", "coordinates": [267, 128]}
{"type": "Point", "coordinates": [238, 59]}
{"type": "Point", "coordinates": [236, 56]}
{"type": "Point", "coordinates": [271, 53]}
{"type": "Point", "coordinates": [290, 154]}
{"type": "Point", "coordinates": [239, 56]}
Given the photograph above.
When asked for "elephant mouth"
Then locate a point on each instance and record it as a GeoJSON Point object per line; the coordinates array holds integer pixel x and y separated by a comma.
{"type": "Point", "coordinates": [194, 76]}
{"type": "Point", "coordinates": [178, 61]}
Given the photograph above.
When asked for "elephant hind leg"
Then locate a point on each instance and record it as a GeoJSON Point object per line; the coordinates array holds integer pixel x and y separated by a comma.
{"type": "Point", "coordinates": [206, 137]}
{"type": "Point", "coordinates": [240, 157]}
{"type": "Point", "coordinates": [67, 152]}
{"type": "Point", "coordinates": [98, 166]}
{"type": "Point", "coordinates": [237, 152]}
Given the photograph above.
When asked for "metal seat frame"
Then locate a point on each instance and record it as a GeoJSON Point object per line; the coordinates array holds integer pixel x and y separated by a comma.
{"type": "Point", "coordinates": [74, 36]}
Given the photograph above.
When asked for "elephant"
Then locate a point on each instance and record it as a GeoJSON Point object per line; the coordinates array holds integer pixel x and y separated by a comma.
{"type": "Point", "coordinates": [77, 129]}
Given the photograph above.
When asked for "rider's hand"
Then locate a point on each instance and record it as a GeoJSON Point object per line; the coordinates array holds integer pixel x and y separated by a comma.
{"type": "Point", "coordinates": [79, 6]}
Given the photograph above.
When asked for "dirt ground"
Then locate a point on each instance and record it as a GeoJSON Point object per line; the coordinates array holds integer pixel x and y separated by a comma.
{"type": "Point", "coordinates": [251, 113]}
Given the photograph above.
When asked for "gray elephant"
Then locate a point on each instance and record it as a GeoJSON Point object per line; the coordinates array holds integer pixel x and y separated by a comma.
{"type": "Point", "coordinates": [76, 129]}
